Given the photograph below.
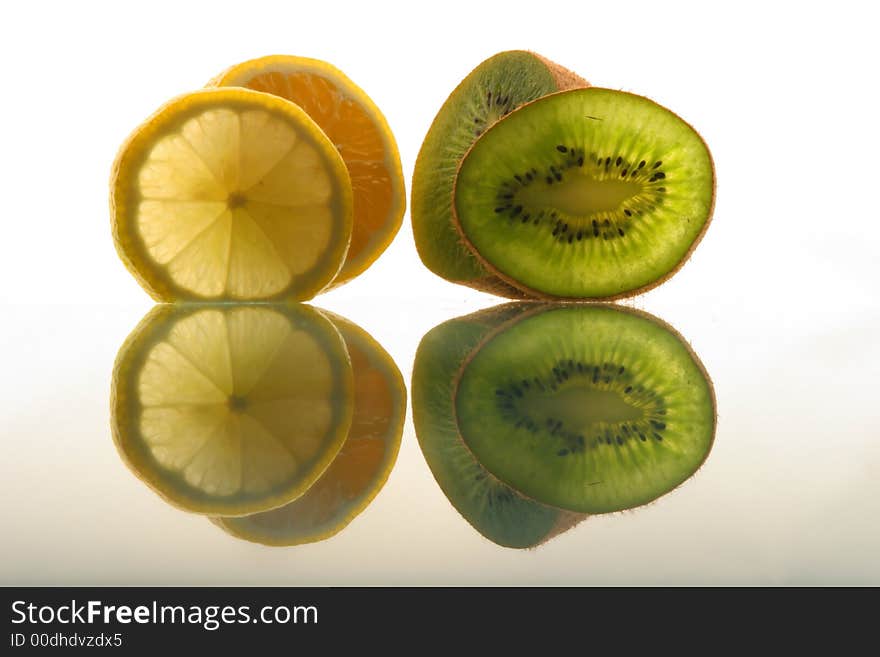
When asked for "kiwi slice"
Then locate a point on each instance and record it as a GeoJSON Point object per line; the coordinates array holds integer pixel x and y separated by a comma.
{"type": "Point", "coordinates": [591, 408]}
{"type": "Point", "coordinates": [493, 89]}
{"type": "Point", "coordinates": [587, 193]}
{"type": "Point", "coordinates": [497, 511]}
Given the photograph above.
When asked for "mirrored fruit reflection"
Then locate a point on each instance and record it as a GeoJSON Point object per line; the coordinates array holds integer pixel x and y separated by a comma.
{"type": "Point", "coordinates": [363, 463]}
{"type": "Point", "coordinates": [563, 408]}
{"type": "Point", "coordinates": [235, 410]}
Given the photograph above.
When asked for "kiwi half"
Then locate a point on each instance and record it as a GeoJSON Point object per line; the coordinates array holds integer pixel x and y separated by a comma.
{"type": "Point", "coordinates": [492, 90]}
{"type": "Point", "coordinates": [586, 193]}
{"type": "Point", "coordinates": [586, 407]}
{"type": "Point", "coordinates": [497, 511]}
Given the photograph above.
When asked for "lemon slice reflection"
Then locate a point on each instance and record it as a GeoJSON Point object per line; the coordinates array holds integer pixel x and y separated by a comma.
{"type": "Point", "coordinates": [362, 466]}
{"type": "Point", "coordinates": [231, 409]}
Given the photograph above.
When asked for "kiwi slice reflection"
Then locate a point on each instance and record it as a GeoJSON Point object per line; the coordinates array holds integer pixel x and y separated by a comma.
{"type": "Point", "coordinates": [587, 408]}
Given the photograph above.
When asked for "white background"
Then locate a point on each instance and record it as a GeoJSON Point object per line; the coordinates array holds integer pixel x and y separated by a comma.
{"type": "Point", "coordinates": [779, 300]}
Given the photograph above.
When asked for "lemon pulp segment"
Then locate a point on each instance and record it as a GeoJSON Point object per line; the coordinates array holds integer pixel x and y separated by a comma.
{"type": "Point", "coordinates": [231, 194]}
{"type": "Point", "coordinates": [359, 131]}
{"type": "Point", "coordinates": [232, 409]}
{"type": "Point", "coordinates": [363, 464]}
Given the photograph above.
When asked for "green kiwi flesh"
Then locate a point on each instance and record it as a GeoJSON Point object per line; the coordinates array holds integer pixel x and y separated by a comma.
{"type": "Point", "coordinates": [587, 407]}
{"type": "Point", "coordinates": [495, 510]}
{"type": "Point", "coordinates": [586, 193]}
{"type": "Point", "coordinates": [496, 87]}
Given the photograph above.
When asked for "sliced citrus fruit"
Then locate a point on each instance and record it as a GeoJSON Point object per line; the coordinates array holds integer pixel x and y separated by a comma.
{"type": "Point", "coordinates": [358, 129]}
{"type": "Point", "coordinates": [231, 194]}
{"type": "Point", "coordinates": [231, 409]}
{"type": "Point", "coordinates": [362, 466]}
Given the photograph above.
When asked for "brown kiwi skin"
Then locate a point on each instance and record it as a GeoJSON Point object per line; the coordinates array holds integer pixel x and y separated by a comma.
{"type": "Point", "coordinates": [493, 283]}
{"type": "Point", "coordinates": [531, 308]}
{"type": "Point", "coordinates": [504, 285]}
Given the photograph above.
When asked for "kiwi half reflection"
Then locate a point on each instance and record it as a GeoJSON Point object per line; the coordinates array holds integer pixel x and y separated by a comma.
{"type": "Point", "coordinates": [494, 509]}
{"type": "Point", "coordinates": [281, 421]}
{"type": "Point", "coordinates": [531, 415]}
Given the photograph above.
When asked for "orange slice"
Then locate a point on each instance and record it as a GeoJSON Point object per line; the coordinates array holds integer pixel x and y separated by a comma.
{"type": "Point", "coordinates": [359, 471]}
{"type": "Point", "coordinates": [358, 129]}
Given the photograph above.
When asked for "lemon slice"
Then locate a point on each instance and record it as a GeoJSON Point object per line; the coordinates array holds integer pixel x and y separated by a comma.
{"type": "Point", "coordinates": [228, 409]}
{"type": "Point", "coordinates": [231, 194]}
{"type": "Point", "coordinates": [362, 466]}
{"type": "Point", "coordinates": [357, 127]}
